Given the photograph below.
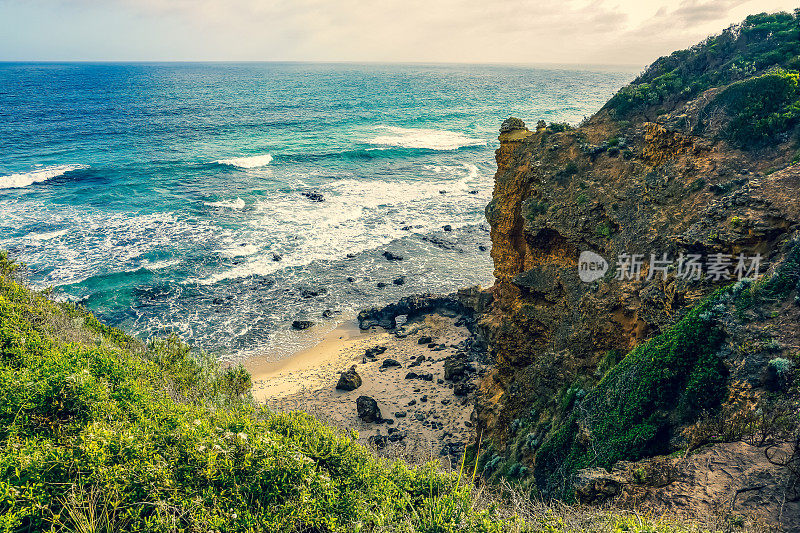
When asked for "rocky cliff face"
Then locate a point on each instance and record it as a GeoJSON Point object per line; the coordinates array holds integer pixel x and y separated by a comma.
{"type": "Point", "coordinates": [659, 183]}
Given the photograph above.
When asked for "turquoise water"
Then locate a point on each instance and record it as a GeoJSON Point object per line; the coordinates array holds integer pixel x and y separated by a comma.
{"type": "Point", "coordinates": [157, 194]}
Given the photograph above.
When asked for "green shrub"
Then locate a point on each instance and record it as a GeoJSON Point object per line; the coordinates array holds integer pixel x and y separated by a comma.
{"type": "Point", "coordinates": [758, 43]}
{"type": "Point", "coordinates": [760, 107]}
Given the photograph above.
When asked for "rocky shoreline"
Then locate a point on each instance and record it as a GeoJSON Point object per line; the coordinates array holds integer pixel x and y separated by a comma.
{"type": "Point", "coordinates": [406, 384]}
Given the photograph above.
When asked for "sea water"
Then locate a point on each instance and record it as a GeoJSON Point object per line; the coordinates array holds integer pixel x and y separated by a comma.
{"type": "Point", "coordinates": [170, 197]}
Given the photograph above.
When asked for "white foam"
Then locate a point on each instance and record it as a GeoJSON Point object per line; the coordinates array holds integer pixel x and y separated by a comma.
{"type": "Point", "coordinates": [356, 215]}
{"type": "Point", "coordinates": [23, 179]}
{"type": "Point", "coordinates": [47, 235]}
{"type": "Point", "coordinates": [255, 161]}
{"type": "Point", "coordinates": [424, 139]}
{"type": "Point", "coordinates": [229, 204]}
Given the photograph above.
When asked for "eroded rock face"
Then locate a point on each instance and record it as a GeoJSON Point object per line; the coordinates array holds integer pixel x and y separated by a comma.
{"type": "Point", "coordinates": [558, 194]}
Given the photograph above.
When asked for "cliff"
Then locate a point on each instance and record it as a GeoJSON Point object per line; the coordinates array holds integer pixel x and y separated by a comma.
{"type": "Point", "coordinates": [692, 160]}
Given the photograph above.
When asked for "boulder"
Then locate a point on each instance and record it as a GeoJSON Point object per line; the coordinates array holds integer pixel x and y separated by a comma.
{"type": "Point", "coordinates": [302, 324]}
{"type": "Point", "coordinates": [596, 485]}
{"type": "Point", "coordinates": [349, 380]}
{"type": "Point", "coordinates": [314, 196]}
{"type": "Point", "coordinates": [387, 363]}
{"type": "Point", "coordinates": [367, 409]}
{"type": "Point", "coordinates": [390, 256]}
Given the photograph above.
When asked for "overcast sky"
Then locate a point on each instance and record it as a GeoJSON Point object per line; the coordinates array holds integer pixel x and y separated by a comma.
{"type": "Point", "coordinates": [632, 32]}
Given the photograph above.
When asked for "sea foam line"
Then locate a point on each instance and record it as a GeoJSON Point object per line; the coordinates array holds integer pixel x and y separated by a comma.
{"type": "Point", "coordinates": [23, 179]}
{"type": "Point", "coordinates": [424, 139]}
{"type": "Point", "coordinates": [255, 161]}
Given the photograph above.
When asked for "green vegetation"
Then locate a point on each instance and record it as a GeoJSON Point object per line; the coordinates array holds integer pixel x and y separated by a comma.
{"type": "Point", "coordinates": [760, 108]}
{"type": "Point", "coordinates": [101, 433]}
{"type": "Point", "coordinates": [759, 43]}
{"type": "Point", "coordinates": [626, 415]}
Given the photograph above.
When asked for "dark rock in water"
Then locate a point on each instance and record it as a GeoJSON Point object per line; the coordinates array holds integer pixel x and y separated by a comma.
{"type": "Point", "coordinates": [387, 363]}
{"type": "Point", "coordinates": [406, 228]}
{"type": "Point", "coordinates": [374, 352]}
{"type": "Point", "coordinates": [350, 256]}
{"type": "Point", "coordinates": [367, 409]}
{"type": "Point", "coordinates": [447, 227]}
{"type": "Point", "coordinates": [312, 292]}
{"type": "Point", "coordinates": [314, 196]}
{"type": "Point", "coordinates": [415, 306]}
{"type": "Point", "coordinates": [391, 256]}
{"type": "Point", "coordinates": [351, 279]}
{"type": "Point", "coordinates": [349, 380]}
{"type": "Point", "coordinates": [400, 281]}
{"type": "Point", "coordinates": [424, 340]}
{"type": "Point", "coordinates": [276, 256]}
{"type": "Point", "coordinates": [444, 244]}
{"type": "Point", "coordinates": [442, 192]}
{"type": "Point", "coordinates": [381, 285]}
{"type": "Point", "coordinates": [473, 192]}
{"type": "Point", "coordinates": [512, 124]}
{"type": "Point", "coordinates": [482, 248]}
{"type": "Point", "coordinates": [327, 313]}
{"type": "Point", "coordinates": [302, 324]}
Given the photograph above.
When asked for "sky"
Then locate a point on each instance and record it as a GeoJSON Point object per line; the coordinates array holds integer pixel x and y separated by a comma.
{"type": "Point", "coordinates": [609, 32]}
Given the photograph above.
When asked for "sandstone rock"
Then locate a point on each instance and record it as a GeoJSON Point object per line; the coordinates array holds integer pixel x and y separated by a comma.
{"type": "Point", "coordinates": [512, 124]}
{"type": "Point", "coordinates": [596, 485]}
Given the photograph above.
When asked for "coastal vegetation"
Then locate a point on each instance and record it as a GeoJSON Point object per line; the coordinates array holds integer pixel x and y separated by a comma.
{"type": "Point", "coordinates": [756, 62]}
{"type": "Point", "coordinates": [100, 432]}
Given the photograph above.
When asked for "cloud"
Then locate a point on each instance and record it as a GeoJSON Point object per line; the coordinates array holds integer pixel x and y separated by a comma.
{"type": "Point", "coordinates": [583, 31]}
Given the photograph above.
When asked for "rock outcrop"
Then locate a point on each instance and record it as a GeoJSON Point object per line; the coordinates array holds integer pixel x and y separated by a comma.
{"type": "Point", "coordinates": [597, 232]}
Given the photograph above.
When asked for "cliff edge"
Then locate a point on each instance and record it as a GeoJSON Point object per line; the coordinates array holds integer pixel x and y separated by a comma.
{"type": "Point", "coordinates": [646, 267]}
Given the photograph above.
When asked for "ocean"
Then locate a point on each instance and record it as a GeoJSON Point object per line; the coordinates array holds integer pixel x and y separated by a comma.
{"type": "Point", "coordinates": [185, 198]}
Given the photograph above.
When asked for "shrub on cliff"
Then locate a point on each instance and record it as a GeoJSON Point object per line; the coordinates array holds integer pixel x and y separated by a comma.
{"type": "Point", "coordinates": [628, 415]}
{"type": "Point", "coordinates": [759, 43]}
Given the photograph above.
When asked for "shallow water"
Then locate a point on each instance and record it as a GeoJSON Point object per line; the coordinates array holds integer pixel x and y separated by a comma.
{"type": "Point", "coordinates": [157, 194]}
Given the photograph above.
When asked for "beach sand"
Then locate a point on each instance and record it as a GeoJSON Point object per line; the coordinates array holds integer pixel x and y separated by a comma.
{"type": "Point", "coordinates": [434, 419]}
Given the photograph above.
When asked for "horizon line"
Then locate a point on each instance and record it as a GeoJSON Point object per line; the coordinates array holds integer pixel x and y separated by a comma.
{"type": "Point", "coordinates": [314, 61]}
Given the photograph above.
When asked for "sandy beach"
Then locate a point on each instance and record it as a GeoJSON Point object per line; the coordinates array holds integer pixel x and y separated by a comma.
{"type": "Point", "coordinates": [424, 417]}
